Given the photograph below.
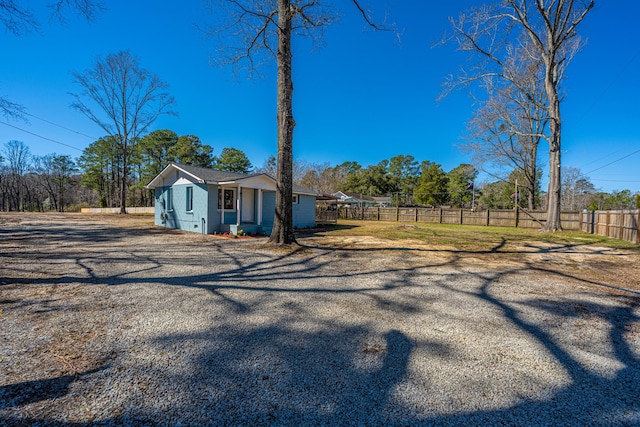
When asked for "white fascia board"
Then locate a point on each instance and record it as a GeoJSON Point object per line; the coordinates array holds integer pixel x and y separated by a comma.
{"type": "Point", "coordinates": [197, 178]}
{"type": "Point", "coordinates": [262, 181]}
{"type": "Point", "coordinates": [158, 181]}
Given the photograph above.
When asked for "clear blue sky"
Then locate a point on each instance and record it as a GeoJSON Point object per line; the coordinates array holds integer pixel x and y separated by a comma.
{"type": "Point", "coordinates": [361, 97]}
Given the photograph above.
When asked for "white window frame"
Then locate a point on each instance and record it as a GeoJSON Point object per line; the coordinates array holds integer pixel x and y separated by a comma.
{"type": "Point", "coordinates": [221, 199]}
{"type": "Point", "coordinates": [295, 199]}
{"type": "Point", "coordinates": [189, 197]}
{"type": "Point", "coordinates": [169, 198]}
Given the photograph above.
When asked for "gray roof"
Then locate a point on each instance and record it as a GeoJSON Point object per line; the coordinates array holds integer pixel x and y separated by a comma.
{"type": "Point", "coordinates": [212, 176]}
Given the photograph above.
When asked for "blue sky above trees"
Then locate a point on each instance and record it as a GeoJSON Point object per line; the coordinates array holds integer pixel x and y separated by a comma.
{"type": "Point", "coordinates": [360, 96]}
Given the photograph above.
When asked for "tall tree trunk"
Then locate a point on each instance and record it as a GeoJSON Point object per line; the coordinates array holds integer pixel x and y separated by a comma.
{"type": "Point", "coordinates": [532, 178]}
{"type": "Point", "coordinates": [125, 172]}
{"type": "Point", "coordinates": [282, 232]}
{"type": "Point", "coordinates": [554, 193]}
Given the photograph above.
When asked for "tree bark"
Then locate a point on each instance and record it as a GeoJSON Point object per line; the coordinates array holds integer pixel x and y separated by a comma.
{"type": "Point", "coordinates": [554, 192]}
{"type": "Point", "coordinates": [125, 173]}
{"type": "Point", "coordinates": [282, 232]}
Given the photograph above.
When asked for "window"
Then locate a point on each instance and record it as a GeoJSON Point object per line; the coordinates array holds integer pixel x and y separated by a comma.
{"type": "Point", "coordinates": [169, 199]}
{"type": "Point", "coordinates": [296, 200]}
{"type": "Point", "coordinates": [229, 199]}
{"type": "Point", "coordinates": [189, 198]}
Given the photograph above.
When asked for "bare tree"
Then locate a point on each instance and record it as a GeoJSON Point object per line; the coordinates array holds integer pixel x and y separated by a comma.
{"type": "Point", "coordinates": [124, 100]}
{"type": "Point", "coordinates": [264, 30]}
{"type": "Point", "coordinates": [19, 161]}
{"type": "Point", "coordinates": [577, 189]}
{"type": "Point", "coordinates": [507, 128]}
{"type": "Point", "coordinates": [489, 32]}
{"type": "Point", "coordinates": [55, 173]}
{"type": "Point", "coordinates": [18, 19]}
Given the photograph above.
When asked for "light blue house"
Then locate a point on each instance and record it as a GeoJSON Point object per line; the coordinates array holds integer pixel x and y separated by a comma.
{"type": "Point", "coordinates": [206, 201]}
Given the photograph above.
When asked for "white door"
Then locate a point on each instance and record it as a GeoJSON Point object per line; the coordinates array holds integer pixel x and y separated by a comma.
{"type": "Point", "coordinates": [248, 205]}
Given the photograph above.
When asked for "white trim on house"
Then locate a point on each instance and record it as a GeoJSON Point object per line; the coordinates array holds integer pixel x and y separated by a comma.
{"type": "Point", "coordinates": [220, 200]}
{"type": "Point", "coordinates": [259, 206]}
{"type": "Point", "coordinates": [175, 174]}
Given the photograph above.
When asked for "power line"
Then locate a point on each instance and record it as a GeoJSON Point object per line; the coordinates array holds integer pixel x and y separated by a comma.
{"type": "Point", "coordinates": [601, 95]}
{"type": "Point", "coordinates": [613, 180]}
{"type": "Point", "coordinates": [40, 136]}
{"type": "Point", "coordinates": [495, 176]}
{"type": "Point", "coordinates": [615, 161]}
{"type": "Point", "coordinates": [60, 126]}
{"type": "Point", "coordinates": [609, 86]}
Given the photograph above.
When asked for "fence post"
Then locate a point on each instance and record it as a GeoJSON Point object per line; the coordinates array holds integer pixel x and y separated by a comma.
{"type": "Point", "coordinates": [378, 213]}
{"type": "Point", "coordinates": [638, 228]}
{"type": "Point", "coordinates": [416, 214]}
{"type": "Point", "coordinates": [488, 222]}
{"type": "Point", "coordinates": [608, 222]}
{"type": "Point", "coordinates": [461, 214]}
{"type": "Point", "coordinates": [621, 231]}
{"type": "Point", "coordinates": [440, 215]}
{"type": "Point", "coordinates": [397, 213]}
{"type": "Point", "coordinates": [581, 221]}
{"type": "Point", "coordinates": [517, 209]}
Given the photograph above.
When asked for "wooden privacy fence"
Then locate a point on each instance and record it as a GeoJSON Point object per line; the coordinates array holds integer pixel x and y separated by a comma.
{"type": "Point", "coordinates": [326, 216]}
{"type": "Point", "coordinates": [130, 210]}
{"type": "Point", "coordinates": [491, 217]}
{"type": "Point", "coordinates": [622, 224]}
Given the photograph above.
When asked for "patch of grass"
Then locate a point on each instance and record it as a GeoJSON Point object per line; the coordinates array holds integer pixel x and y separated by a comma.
{"type": "Point", "coordinates": [468, 237]}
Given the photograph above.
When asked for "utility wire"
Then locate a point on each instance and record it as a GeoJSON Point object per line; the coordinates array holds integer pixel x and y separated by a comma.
{"type": "Point", "coordinates": [615, 161]}
{"type": "Point", "coordinates": [597, 101]}
{"type": "Point", "coordinates": [40, 136]}
{"type": "Point", "coordinates": [60, 126]}
{"type": "Point", "coordinates": [616, 180]}
{"type": "Point", "coordinates": [609, 86]}
{"type": "Point", "coordinates": [496, 176]}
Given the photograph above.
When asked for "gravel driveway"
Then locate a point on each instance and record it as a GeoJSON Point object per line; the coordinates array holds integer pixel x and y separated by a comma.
{"type": "Point", "coordinates": [102, 322]}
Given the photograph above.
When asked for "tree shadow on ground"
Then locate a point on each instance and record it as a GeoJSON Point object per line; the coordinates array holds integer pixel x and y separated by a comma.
{"type": "Point", "coordinates": [282, 374]}
{"type": "Point", "coordinates": [27, 392]}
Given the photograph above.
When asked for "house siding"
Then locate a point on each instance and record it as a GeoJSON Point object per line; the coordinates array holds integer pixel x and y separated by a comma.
{"type": "Point", "coordinates": [204, 216]}
{"type": "Point", "coordinates": [304, 212]}
{"type": "Point", "coordinates": [268, 207]}
{"type": "Point", "coordinates": [179, 217]}
{"type": "Point", "coordinates": [213, 217]}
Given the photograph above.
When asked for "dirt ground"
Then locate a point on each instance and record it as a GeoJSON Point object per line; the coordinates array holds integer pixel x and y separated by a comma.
{"type": "Point", "coordinates": [55, 280]}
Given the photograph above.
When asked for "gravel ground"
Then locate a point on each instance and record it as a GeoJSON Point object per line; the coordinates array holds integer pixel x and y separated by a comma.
{"type": "Point", "coordinates": [109, 323]}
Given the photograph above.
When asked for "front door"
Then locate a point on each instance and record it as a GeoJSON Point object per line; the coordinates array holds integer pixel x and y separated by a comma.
{"type": "Point", "coordinates": [248, 214]}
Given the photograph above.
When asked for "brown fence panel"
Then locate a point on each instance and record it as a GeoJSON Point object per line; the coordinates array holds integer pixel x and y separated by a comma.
{"type": "Point", "coordinates": [450, 216]}
{"type": "Point", "coordinates": [407, 214]}
{"type": "Point", "coordinates": [623, 225]}
{"type": "Point", "coordinates": [615, 224]}
{"type": "Point", "coordinates": [325, 216]}
{"type": "Point", "coordinates": [470, 217]}
{"type": "Point", "coordinates": [570, 220]}
{"type": "Point", "coordinates": [631, 232]}
{"type": "Point", "coordinates": [370, 214]}
{"type": "Point", "coordinates": [502, 218]}
{"type": "Point", "coordinates": [388, 214]}
{"type": "Point", "coordinates": [429, 215]}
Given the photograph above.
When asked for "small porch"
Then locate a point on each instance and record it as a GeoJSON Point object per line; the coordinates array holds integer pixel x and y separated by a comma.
{"type": "Point", "coordinates": [241, 206]}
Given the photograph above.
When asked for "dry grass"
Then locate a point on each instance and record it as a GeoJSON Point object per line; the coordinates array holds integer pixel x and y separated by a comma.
{"type": "Point", "coordinates": [468, 237]}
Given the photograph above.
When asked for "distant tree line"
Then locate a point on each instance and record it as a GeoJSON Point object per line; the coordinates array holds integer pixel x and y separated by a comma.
{"type": "Point", "coordinates": [60, 183]}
